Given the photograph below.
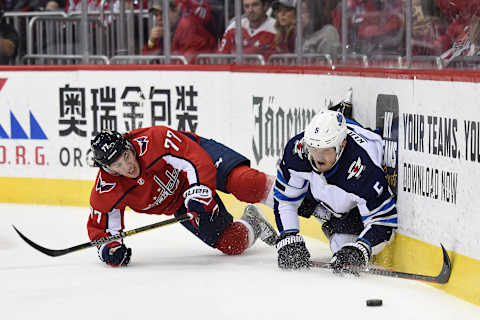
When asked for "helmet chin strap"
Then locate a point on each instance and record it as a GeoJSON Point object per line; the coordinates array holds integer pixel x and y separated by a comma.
{"type": "Point", "coordinates": [312, 163]}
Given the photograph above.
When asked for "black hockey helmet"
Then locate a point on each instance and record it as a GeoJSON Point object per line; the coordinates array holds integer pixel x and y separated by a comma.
{"type": "Point", "coordinates": [107, 146]}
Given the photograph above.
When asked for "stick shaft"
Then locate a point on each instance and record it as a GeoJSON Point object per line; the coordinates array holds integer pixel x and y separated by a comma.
{"type": "Point", "coordinates": [98, 242]}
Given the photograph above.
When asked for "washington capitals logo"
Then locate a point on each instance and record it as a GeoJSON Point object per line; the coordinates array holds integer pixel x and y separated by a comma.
{"type": "Point", "coordinates": [355, 169]}
{"type": "Point", "coordinates": [142, 144]}
{"type": "Point", "coordinates": [103, 186]}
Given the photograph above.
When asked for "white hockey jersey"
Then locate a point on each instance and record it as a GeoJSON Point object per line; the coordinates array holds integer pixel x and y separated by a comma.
{"type": "Point", "coordinates": [357, 181]}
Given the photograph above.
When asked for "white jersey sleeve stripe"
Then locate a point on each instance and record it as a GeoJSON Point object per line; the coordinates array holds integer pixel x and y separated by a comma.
{"type": "Point", "coordinates": [286, 192]}
{"type": "Point", "coordinates": [114, 222]}
{"type": "Point", "coordinates": [183, 165]}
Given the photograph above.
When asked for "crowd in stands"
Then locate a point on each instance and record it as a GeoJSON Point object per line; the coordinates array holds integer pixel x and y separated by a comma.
{"type": "Point", "coordinates": [444, 28]}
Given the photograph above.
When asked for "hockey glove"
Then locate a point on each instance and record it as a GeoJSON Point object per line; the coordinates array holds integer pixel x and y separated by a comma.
{"type": "Point", "coordinates": [292, 252]}
{"type": "Point", "coordinates": [115, 254]}
{"type": "Point", "coordinates": [355, 254]}
{"type": "Point", "coordinates": [308, 205]}
{"type": "Point", "coordinates": [344, 107]}
{"type": "Point", "coordinates": [200, 204]}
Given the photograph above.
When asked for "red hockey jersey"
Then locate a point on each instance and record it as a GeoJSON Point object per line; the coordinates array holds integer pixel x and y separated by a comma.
{"type": "Point", "coordinates": [255, 41]}
{"type": "Point", "coordinates": [170, 161]}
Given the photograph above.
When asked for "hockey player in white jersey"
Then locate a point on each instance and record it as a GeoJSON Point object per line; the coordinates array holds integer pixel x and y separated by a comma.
{"type": "Point", "coordinates": [337, 165]}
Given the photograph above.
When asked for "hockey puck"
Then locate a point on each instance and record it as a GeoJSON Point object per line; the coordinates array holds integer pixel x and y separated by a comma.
{"type": "Point", "coordinates": [374, 302]}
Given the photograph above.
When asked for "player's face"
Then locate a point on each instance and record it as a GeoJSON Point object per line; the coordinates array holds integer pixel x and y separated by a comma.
{"type": "Point", "coordinates": [254, 10]}
{"type": "Point", "coordinates": [126, 165]}
{"type": "Point", "coordinates": [324, 158]}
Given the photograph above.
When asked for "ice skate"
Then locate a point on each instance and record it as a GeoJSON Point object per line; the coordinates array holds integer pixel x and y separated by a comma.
{"type": "Point", "coordinates": [261, 227]}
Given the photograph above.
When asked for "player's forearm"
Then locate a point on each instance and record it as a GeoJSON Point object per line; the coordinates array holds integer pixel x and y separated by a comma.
{"type": "Point", "coordinates": [288, 218]}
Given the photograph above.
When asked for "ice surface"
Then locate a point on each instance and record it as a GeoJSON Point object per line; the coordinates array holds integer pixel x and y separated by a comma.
{"type": "Point", "coordinates": [174, 276]}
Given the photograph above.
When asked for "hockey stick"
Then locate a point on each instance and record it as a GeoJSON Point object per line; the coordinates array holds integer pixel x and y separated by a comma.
{"type": "Point", "coordinates": [121, 235]}
{"type": "Point", "coordinates": [441, 278]}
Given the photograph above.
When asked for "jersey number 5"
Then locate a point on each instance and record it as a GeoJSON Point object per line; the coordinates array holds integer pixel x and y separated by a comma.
{"type": "Point", "coordinates": [169, 141]}
{"type": "Point", "coordinates": [378, 188]}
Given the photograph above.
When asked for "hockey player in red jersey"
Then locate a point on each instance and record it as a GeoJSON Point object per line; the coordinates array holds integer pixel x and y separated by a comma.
{"type": "Point", "coordinates": [158, 170]}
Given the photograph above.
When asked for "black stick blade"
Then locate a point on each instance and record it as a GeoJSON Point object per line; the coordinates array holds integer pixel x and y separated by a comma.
{"type": "Point", "coordinates": [441, 278]}
{"type": "Point", "coordinates": [444, 274]}
{"type": "Point", "coordinates": [48, 252]}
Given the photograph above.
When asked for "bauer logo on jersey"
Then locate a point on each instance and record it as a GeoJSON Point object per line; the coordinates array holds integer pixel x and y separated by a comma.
{"type": "Point", "coordinates": [142, 144]}
{"type": "Point", "coordinates": [103, 186]}
{"type": "Point", "coordinates": [355, 169]}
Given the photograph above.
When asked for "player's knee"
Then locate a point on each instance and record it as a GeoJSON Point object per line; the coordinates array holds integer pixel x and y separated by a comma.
{"type": "Point", "coordinates": [247, 184]}
{"type": "Point", "coordinates": [234, 239]}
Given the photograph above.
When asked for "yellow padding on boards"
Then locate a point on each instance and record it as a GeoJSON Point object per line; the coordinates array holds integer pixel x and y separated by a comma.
{"type": "Point", "coordinates": [46, 191]}
{"type": "Point", "coordinates": [411, 255]}
{"type": "Point", "coordinates": [403, 254]}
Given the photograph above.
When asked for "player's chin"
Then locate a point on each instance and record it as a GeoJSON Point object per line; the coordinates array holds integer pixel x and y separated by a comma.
{"type": "Point", "coordinates": [134, 173]}
{"type": "Point", "coordinates": [322, 166]}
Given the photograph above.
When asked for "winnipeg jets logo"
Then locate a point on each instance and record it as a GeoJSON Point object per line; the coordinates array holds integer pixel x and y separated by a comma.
{"type": "Point", "coordinates": [103, 186]}
{"type": "Point", "coordinates": [355, 169]}
{"type": "Point", "coordinates": [299, 149]}
{"type": "Point", "coordinates": [142, 144]}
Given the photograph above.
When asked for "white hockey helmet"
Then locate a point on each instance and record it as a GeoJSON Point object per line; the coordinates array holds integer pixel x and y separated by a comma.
{"type": "Point", "coordinates": [327, 129]}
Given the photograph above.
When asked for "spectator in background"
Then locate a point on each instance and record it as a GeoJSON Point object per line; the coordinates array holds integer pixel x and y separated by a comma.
{"type": "Point", "coordinates": [54, 5]}
{"type": "Point", "coordinates": [458, 14]}
{"type": "Point", "coordinates": [189, 35]}
{"type": "Point", "coordinates": [319, 35]}
{"type": "Point", "coordinates": [200, 10]}
{"type": "Point", "coordinates": [467, 43]}
{"type": "Point", "coordinates": [258, 31]}
{"type": "Point", "coordinates": [8, 39]}
{"type": "Point", "coordinates": [32, 5]}
{"type": "Point", "coordinates": [221, 14]}
{"type": "Point", "coordinates": [377, 26]}
{"type": "Point", "coordinates": [75, 5]}
{"type": "Point", "coordinates": [428, 23]}
{"type": "Point", "coordinates": [285, 12]}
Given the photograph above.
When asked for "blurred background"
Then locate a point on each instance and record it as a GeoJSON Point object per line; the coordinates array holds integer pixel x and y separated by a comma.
{"type": "Point", "coordinates": [404, 34]}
